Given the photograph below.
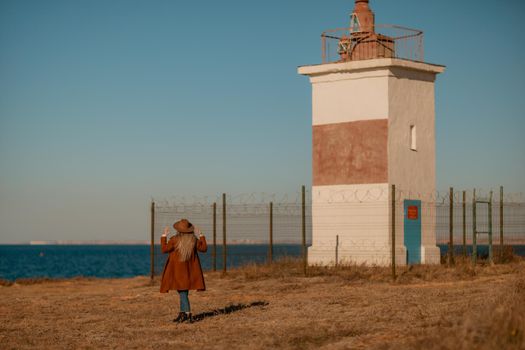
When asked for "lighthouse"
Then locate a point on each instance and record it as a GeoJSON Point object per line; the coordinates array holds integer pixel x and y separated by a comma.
{"type": "Point", "coordinates": [373, 126]}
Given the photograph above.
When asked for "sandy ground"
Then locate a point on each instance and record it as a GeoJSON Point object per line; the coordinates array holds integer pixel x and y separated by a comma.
{"type": "Point", "coordinates": [338, 310]}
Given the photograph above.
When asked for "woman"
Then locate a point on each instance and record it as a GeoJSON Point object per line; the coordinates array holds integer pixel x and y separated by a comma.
{"type": "Point", "coordinates": [183, 271]}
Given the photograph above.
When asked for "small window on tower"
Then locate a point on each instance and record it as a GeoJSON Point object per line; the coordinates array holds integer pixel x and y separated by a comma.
{"type": "Point", "coordinates": [413, 144]}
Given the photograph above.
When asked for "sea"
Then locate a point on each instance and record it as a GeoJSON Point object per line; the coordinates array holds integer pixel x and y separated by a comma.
{"type": "Point", "coordinates": [117, 261]}
{"type": "Point", "coordinates": [122, 261]}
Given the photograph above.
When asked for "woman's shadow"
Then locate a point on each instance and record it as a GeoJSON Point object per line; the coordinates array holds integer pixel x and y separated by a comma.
{"type": "Point", "coordinates": [227, 310]}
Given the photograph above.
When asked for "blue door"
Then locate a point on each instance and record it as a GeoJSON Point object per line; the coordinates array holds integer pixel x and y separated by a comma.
{"type": "Point", "coordinates": [412, 214]}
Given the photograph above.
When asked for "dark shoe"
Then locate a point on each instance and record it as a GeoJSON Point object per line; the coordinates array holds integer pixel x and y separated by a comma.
{"type": "Point", "coordinates": [189, 317]}
{"type": "Point", "coordinates": [180, 318]}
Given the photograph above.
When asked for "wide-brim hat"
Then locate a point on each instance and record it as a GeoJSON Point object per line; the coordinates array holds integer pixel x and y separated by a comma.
{"type": "Point", "coordinates": [183, 226]}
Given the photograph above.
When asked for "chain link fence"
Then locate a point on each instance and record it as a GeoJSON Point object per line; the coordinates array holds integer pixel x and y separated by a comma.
{"type": "Point", "coordinates": [239, 229]}
{"type": "Point", "coordinates": [259, 228]}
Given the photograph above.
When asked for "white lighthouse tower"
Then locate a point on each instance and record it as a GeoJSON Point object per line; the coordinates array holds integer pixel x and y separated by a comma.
{"type": "Point", "coordinates": [373, 124]}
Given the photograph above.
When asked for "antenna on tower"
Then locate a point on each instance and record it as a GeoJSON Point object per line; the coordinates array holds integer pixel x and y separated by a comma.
{"type": "Point", "coordinates": [363, 39]}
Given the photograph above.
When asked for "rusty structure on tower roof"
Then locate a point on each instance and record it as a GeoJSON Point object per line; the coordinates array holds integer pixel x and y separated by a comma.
{"type": "Point", "coordinates": [363, 39]}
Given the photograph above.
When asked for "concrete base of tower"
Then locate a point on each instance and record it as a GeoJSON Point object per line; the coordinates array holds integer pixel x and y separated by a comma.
{"type": "Point", "coordinates": [369, 255]}
{"type": "Point", "coordinates": [430, 255]}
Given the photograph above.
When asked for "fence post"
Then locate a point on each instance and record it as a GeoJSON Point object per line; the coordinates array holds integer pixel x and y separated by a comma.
{"type": "Point", "coordinates": [152, 243]}
{"type": "Point", "coordinates": [490, 229]}
{"type": "Point", "coordinates": [393, 239]}
{"type": "Point", "coordinates": [224, 233]}
{"type": "Point", "coordinates": [336, 250]}
{"type": "Point", "coordinates": [303, 216]}
{"type": "Point", "coordinates": [474, 234]}
{"type": "Point", "coordinates": [501, 224]}
{"type": "Point", "coordinates": [451, 229]}
{"type": "Point", "coordinates": [214, 250]}
{"type": "Point", "coordinates": [270, 246]}
{"type": "Point", "coordinates": [464, 224]}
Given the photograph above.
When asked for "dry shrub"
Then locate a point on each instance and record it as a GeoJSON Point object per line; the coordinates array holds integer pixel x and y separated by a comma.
{"type": "Point", "coordinates": [281, 268]}
{"type": "Point", "coordinates": [28, 281]}
{"type": "Point", "coordinates": [5, 283]}
{"type": "Point", "coordinates": [41, 280]}
{"type": "Point", "coordinates": [293, 267]}
{"type": "Point", "coordinates": [502, 324]}
{"type": "Point", "coordinates": [505, 254]}
{"type": "Point", "coordinates": [462, 269]}
{"type": "Point", "coordinates": [498, 325]}
{"type": "Point", "coordinates": [353, 273]}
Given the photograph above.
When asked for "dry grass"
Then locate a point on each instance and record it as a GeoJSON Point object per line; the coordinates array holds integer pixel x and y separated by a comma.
{"type": "Point", "coordinates": [499, 325]}
{"type": "Point", "coordinates": [40, 280]}
{"type": "Point", "coordinates": [332, 308]}
{"type": "Point", "coordinates": [461, 270]}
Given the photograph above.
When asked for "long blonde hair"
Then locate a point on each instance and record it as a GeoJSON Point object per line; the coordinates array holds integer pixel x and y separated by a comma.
{"type": "Point", "coordinates": [185, 245]}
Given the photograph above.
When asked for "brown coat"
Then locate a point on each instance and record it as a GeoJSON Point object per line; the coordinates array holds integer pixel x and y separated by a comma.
{"type": "Point", "coordinates": [182, 275]}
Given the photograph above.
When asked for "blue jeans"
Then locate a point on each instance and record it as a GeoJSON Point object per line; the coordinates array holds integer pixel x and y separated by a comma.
{"type": "Point", "coordinates": [184, 301]}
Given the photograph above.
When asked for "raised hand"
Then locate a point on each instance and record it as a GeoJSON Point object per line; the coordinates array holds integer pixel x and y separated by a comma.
{"type": "Point", "coordinates": [198, 231]}
{"type": "Point", "coordinates": [166, 231]}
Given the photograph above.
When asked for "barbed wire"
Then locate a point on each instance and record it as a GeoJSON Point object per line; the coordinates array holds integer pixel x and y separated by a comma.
{"type": "Point", "coordinates": [442, 197]}
{"type": "Point", "coordinates": [325, 195]}
{"type": "Point", "coordinates": [234, 199]}
{"type": "Point", "coordinates": [355, 195]}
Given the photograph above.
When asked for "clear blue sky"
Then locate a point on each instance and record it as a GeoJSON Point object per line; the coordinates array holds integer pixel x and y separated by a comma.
{"type": "Point", "coordinates": [105, 104]}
